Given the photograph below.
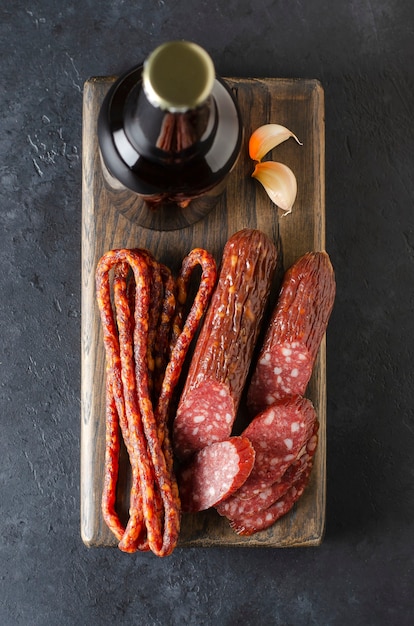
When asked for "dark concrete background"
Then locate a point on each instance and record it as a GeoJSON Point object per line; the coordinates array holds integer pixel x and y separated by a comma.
{"type": "Point", "coordinates": [362, 52]}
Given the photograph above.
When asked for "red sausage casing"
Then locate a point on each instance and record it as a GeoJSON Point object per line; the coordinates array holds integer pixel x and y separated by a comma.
{"type": "Point", "coordinates": [297, 327]}
{"type": "Point", "coordinates": [222, 356]}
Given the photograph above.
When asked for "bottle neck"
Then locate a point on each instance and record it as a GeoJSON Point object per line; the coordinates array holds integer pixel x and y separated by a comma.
{"type": "Point", "coordinates": [163, 135]}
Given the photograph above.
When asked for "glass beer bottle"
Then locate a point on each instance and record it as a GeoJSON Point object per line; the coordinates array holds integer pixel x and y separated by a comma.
{"type": "Point", "coordinates": [169, 132]}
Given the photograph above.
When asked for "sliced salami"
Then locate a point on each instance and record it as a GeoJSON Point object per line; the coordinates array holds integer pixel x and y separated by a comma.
{"type": "Point", "coordinates": [297, 327]}
{"type": "Point", "coordinates": [214, 473]}
{"type": "Point", "coordinates": [248, 524]}
{"type": "Point", "coordinates": [206, 416]}
{"type": "Point", "coordinates": [279, 436]}
{"type": "Point", "coordinates": [234, 507]}
{"type": "Point", "coordinates": [222, 356]}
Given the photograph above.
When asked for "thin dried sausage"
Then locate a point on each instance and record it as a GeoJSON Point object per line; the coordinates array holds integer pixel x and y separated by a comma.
{"type": "Point", "coordinates": [161, 541]}
{"type": "Point", "coordinates": [136, 340]}
{"type": "Point", "coordinates": [115, 384]}
{"type": "Point", "coordinates": [145, 498]}
{"type": "Point", "coordinates": [163, 334]}
{"type": "Point", "coordinates": [183, 332]}
{"type": "Point", "coordinates": [172, 376]}
{"type": "Point", "coordinates": [111, 469]}
{"type": "Point", "coordinates": [153, 482]}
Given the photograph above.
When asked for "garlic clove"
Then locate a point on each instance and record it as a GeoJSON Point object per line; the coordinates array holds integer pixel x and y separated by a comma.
{"type": "Point", "coordinates": [279, 183]}
{"type": "Point", "coordinates": [267, 137]}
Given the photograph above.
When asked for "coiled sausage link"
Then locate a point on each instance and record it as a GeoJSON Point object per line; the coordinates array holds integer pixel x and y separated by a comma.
{"type": "Point", "coordinates": [164, 330]}
{"type": "Point", "coordinates": [136, 345]}
{"type": "Point", "coordinates": [175, 364]}
{"type": "Point", "coordinates": [142, 470]}
{"type": "Point", "coordinates": [184, 332]}
{"type": "Point", "coordinates": [116, 385]}
{"type": "Point", "coordinates": [111, 468]}
{"type": "Point", "coordinates": [157, 483]}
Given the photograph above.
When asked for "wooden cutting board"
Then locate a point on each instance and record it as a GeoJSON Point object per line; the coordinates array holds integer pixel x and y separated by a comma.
{"type": "Point", "coordinates": [298, 105]}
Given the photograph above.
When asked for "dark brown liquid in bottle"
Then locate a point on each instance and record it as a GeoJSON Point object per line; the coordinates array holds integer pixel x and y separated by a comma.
{"type": "Point", "coordinates": [176, 162]}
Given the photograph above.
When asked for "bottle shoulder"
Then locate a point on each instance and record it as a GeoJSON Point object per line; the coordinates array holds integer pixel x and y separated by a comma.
{"type": "Point", "coordinates": [129, 131]}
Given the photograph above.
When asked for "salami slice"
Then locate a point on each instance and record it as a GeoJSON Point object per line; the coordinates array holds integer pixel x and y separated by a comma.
{"type": "Point", "coordinates": [297, 327]}
{"type": "Point", "coordinates": [214, 473]}
{"type": "Point", "coordinates": [234, 507]}
{"type": "Point", "coordinates": [224, 349]}
{"type": "Point", "coordinates": [205, 417]}
{"type": "Point", "coordinates": [250, 524]}
{"type": "Point", "coordinates": [279, 436]}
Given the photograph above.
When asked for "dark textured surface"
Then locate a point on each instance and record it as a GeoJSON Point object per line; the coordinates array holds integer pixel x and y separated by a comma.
{"type": "Point", "coordinates": [363, 573]}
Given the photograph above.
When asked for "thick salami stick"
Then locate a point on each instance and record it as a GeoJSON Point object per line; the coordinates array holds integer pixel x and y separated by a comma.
{"type": "Point", "coordinates": [215, 473]}
{"type": "Point", "coordinates": [298, 324]}
{"type": "Point", "coordinates": [278, 435]}
{"type": "Point", "coordinates": [223, 352]}
{"type": "Point", "coordinates": [233, 508]}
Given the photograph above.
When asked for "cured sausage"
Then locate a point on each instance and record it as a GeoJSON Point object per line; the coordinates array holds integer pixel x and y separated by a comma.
{"type": "Point", "coordinates": [278, 435]}
{"type": "Point", "coordinates": [111, 468]}
{"type": "Point", "coordinates": [156, 295]}
{"type": "Point", "coordinates": [134, 333]}
{"type": "Point", "coordinates": [154, 502]}
{"type": "Point", "coordinates": [163, 333]}
{"type": "Point", "coordinates": [183, 332]}
{"type": "Point", "coordinates": [197, 257]}
{"type": "Point", "coordinates": [214, 473]}
{"type": "Point", "coordinates": [137, 344]}
{"type": "Point", "coordinates": [297, 327]}
{"type": "Point", "coordinates": [173, 372]}
{"type": "Point", "coordinates": [115, 394]}
{"type": "Point", "coordinates": [235, 507]}
{"type": "Point", "coordinates": [222, 356]}
{"type": "Point", "coordinates": [250, 524]}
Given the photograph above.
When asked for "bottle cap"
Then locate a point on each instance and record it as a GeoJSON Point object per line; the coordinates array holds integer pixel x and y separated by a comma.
{"type": "Point", "coordinates": [178, 76]}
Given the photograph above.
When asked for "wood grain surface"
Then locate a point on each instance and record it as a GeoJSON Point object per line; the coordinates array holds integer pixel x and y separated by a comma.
{"type": "Point", "coordinates": [297, 104]}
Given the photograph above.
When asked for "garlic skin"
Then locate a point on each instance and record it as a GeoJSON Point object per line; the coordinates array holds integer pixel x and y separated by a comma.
{"type": "Point", "coordinates": [279, 183]}
{"type": "Point", "coordinates": [267, 137]}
